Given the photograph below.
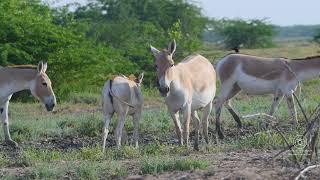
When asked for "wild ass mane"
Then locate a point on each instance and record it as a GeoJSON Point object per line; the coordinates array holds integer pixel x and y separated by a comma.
{"type": "Point", "coordinates": [23, 66]}
{"type": "Point", "coordinates": [307, 58]}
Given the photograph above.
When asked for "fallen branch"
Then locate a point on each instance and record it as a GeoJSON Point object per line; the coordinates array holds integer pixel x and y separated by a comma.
{"type": "Point", "coordinates": [301, 174]}
{"type": "Point", "coordinates": [300, 106]}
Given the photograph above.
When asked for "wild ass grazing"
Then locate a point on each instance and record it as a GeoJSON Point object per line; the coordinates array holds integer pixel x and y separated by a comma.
{"type": "Point", "coordinates": [187, 87]}
{"type": "Point", "coordinates": [18, 78]}
{"type": "Point", "coordinates": [122, 95]}
{"type": "Point", "coordinates": [257, 76]}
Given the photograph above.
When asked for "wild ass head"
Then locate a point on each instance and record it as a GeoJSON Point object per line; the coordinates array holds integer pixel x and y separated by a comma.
{"type": "Point", "coordinates": [163, 63]}
{"type": "Point", "coordinates": [41, 87]}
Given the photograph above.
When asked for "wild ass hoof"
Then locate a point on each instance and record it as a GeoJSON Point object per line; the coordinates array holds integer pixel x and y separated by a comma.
{"type": "Point", "coordinates": [293, 122]}
{"type": "Point", "coordinates": [196, 145]}
{"type": "Point", "coordinates": [220, 135]}
{"type": "Point", "coordinates": [239, 125]}
{"type": "Point", "coordinates": [11, 143]}
{"type": "Point", "coordinates": [207, 140]}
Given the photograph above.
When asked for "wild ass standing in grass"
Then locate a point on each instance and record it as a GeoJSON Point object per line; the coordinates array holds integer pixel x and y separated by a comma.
{"type": "Point", "coordinates": [18, 78]}
{"type": "Point", "coordinates": [187, 87]}
{"type": "Point", "coordinates": [257, 76]}
{"type": "Point", "coordinates": [122, 95]}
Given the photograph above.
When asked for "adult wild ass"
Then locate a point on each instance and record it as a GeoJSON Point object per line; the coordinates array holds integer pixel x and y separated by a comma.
{"type": "Point", "coordinates": [18, 78]}
{"type": "Point", "coordinates": [257, 76]}
{"type": "Point", "coordinates": [122, 95]}
{"type": "Point", "coordinates": [187, 87]}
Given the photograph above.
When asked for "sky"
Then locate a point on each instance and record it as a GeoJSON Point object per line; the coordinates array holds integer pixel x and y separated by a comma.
{"type": "Point", "coordinates": [279, 12]}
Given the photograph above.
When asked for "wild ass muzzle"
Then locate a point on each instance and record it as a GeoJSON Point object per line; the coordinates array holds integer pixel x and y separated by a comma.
{"type": "Point", "coordinates": [122, 96]}
{"type": "Point", "coordinates": [187, 87]}
{"type": "Point", "coordinates": [257, 76]}
{"type": "Point", "coordinates": [17, 78]}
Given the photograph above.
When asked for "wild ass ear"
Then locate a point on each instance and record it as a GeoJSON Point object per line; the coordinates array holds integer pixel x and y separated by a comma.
{"type": "Point", "coordinates": [45, 66]}
{"type": "Point", "coordinates": [172, 47]}
{"type": "Point", "coordinates": [154, 51]}
{"type": "Point", "coordinates": [140, 78]}
{"type": "Point", "coordinates": [40, 67]}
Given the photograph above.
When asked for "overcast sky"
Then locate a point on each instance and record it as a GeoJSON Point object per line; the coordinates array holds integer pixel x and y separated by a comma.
{"type": "Point", "coordinates": [280, 12]}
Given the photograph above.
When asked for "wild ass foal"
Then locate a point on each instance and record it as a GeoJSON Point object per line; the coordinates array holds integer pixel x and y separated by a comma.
{"type": "Point", "coordinates": [122, 95]}
{"type": "Point", "coordinates": [17, 78]}
{"type": "Point", "coordinates": [187, 87]}
{"type": "Point", "coordinates": [257, 76]}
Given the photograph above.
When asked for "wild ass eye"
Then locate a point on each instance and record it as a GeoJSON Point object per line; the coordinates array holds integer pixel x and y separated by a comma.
{"type": "Point", "coordinates": [45, 84]}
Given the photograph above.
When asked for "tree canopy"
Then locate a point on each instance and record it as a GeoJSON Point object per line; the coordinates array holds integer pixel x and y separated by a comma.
{"type": "Point", "coordinates": [249, 34]}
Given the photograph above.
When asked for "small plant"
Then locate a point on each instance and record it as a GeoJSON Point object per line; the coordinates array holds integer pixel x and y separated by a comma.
{"type": "Point", "coordinates": [153, 149]}
{"type": "Point", "coordinates": [90, 126]}
{"type": "Point", "coordinates": [4, 161]}
{"type": "Point", "coordinates": [125, 152]}
{"type": "Point", "coordinates": [158, 165]}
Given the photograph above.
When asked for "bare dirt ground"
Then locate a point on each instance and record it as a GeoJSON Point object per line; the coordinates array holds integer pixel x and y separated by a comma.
{"type": "Point", "coordinates": [253, 164]}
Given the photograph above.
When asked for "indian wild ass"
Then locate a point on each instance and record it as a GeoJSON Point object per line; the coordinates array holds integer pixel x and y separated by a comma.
{"type": "Point", "coordinates": [187, 87]}
{"type": "Point", "coordinates": [257, 75]}
{"type": "Point", "coordinates": [18, 78]}
{"type": "Point", "coordinates": [122, 95]}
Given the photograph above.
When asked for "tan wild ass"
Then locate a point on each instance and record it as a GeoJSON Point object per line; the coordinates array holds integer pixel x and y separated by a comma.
{"type": "Point", "coordinates": [257, 76]}
{"type": "Point", "coordinates": [18, 78]}
{"type": "Point", "coordinates": [187, 87]}
{"type": "Point", "coordinates": [122, 96]}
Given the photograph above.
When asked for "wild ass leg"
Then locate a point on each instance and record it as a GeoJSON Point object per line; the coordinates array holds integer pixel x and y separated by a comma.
{"type": "Point", "coordinates": [186, 126]}
{"type": "Point", "coordinates": [227, 92]}
{"type": "Point", "coordinates": [5, 120]}
{"type": "Point", "coordinates": [292, 109]}
{"type": "Point", "coordinates": [136, 119]}
{"type": "Point", "coordinates": [205, 121]}
{"type": "Point", "coordinates": [233, 113]}
{"type": "Point", "coordinates": [196, 124]}
{"type": "Point", "coordinates": [176, 121]}
{"type": "Point", "coordinates": [276, 101]}
{"type": "Point", "coordinates": [120, 125]}
{"type": "Point", "coordinates": [105, 129]}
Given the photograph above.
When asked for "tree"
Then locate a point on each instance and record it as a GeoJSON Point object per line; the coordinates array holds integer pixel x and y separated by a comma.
{"type": "Point", "coordinates": [316, 37]}
{"type": "Point", "coordinates": [249, 34]}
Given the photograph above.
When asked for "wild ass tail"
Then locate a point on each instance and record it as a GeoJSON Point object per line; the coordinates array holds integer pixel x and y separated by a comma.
{"type": "Point", "coordinates": [107, 99]}
{"type": "Point", "coordinates": [112, 95]}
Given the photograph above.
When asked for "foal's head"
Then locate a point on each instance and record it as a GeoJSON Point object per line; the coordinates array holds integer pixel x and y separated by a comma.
{"type": "Point", "coordinates": [163, 63]}
{"type": "Point", "coordinates": [41, 87]}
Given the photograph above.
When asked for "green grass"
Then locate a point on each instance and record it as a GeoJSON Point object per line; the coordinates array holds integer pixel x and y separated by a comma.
{"type": "Point", "coordinates": [164, 164]}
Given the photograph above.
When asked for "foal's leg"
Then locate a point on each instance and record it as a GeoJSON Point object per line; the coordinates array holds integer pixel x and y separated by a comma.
{"type": "Point", "coordinates": [120, 125]}
{"type": "Point", "coordinates": [196, 124]}
{"type": "Point", "coordinates": [205, 121]}
{"type": "Point", "coordinates": [186, 117]}
{"type": "Point", "coordinates": [136, 119]}
{"type": "Point", "coordinates": [292, 109]}
{"type": "Point", "coordinates": [176, 121]}
{"type": "Point", "coordinates": [105, 130]}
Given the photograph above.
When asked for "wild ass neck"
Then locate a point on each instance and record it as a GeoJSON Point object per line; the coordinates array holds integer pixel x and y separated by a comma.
{"type": "Point", "coordinates": [16, 79]}
{"type": "Point", "coordinates": [306, 69]}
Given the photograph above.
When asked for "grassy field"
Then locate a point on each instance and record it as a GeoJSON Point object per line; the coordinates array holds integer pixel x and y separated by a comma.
{"type": "Point", "coordinates": [66, 143]}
